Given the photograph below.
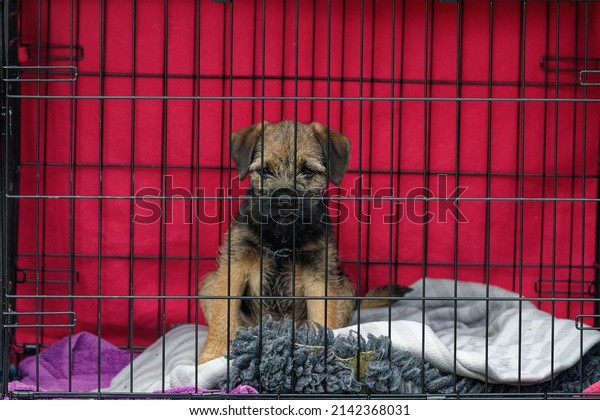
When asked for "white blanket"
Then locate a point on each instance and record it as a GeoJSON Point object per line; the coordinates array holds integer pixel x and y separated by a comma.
{"type": "Point", "coordinates": [516, 330]}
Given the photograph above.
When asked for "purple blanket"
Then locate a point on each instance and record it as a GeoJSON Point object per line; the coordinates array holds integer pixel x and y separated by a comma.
{"type": "Point", "coordinates": [88, 372]}
{"type": "Point", "coordinates": [86, 375]}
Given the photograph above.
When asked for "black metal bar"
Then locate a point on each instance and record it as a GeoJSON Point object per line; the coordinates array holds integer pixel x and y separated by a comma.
{"type": "Point", "coordinates": [131, 309]}
{"type": "Point", "coordinates": [283, 56]}
{"type": "Point", "coordinates": [313, 57]}
{"type": "Point", "coordinates": [262, 163]}
{"type": "Point", "coordinates": [343, 260]}
{"type": "Point", "coordinates": [573, 165]}
{"type": "Point", "coordinates": [400, 126]}
{"type": "Point", "coordinates": [42, 197]}
{"type": "Point", "coordinates": [323, 298]}
{"type": "Point", "coordinates": [597, 236]}
{"type": "Point", "coordinates": [331, 78]}
{"type": "Point", "coordinates": [520, 184]}
{"type": "Point", "coordinates": [359, 99]}
{"type": "Point", "coordinates": [554, 194]}
{"type": "Point", "coordinates": [427, 66]}
{"type": "Point", "coordinates": [488, 192]}
{"type": "Point", "coordinates": [370, 143]}
{"type": "Point", "coordinates": [390, 271]}
{"type": "Point", "coordinates": [326, 250]}
{"type": "Point", "coordinates": [71, 210]}
{"type": "Point", "coordinates": [254, 57]}
{"type": "Point", "coordinates": [102, 16]}
{"type": "Point", "coordinates": [544, 143]}
{"type": "Point", "coordinates": [194, 268]}
{"type": "Point", "coordinates": [162, 267]}
{"type": "Point", "coordinates": [295, 161]}
{"type": "Point", "coordinates": [37, 192]}
{"type": "Point", "coordinates": [31, 395]}
{"type": "Point", "coordinates": [583, 188]}
{"type": "Point", "coordinates": [459, 64]}
{"type": "Point", "coordinates": [9, 183]}
{"type": "Point", "coordinates": [229, 130]}
{"type": "Point", "coordinates": [358, 197]}
{"type": "Point", "coordinates": [373, 171]}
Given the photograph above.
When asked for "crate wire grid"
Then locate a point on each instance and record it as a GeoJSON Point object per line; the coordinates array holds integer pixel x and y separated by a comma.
{"type": "Point", "coordinates": [105, 112]}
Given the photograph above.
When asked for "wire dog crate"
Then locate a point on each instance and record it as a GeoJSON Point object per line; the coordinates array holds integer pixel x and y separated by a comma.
{"type": "Point", "coordinates": [474, 126]}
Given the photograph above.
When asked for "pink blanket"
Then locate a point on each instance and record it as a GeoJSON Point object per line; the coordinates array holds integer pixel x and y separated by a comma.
{"type": "Point", "coordinates": [593, 388]}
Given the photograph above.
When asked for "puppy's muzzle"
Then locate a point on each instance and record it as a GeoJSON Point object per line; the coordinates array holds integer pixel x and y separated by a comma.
{"type": "Point", "coordinates": [284, 206]}
{"type": "Point", "coordinates": [285, 199]}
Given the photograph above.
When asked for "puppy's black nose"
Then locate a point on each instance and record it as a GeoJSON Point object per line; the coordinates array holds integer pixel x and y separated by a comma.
{"type": "Point", "coordinates": [285, 198]}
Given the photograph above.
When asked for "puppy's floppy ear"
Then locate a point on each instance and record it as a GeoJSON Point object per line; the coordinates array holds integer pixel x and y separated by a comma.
{"type": "Point", "coordinates": [338, 147]}
{"type": "Point", "coordinates": [242, 145]}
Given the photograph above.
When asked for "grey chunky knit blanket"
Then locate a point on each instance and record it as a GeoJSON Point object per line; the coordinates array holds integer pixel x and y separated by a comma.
{"type": "Point", "coordinates": [465, 338]}
{"type": "Point", "coordinates": [297, 360]}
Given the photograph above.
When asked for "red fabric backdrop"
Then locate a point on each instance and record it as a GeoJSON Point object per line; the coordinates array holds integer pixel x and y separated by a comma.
{"type": "Point", "coordinates": [86, 147]}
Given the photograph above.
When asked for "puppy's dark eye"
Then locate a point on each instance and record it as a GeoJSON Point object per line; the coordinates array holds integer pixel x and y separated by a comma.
{"type": "Point", "coordinates": [264, 172]}
{"type": "Point", "coordinates": [308, 173]}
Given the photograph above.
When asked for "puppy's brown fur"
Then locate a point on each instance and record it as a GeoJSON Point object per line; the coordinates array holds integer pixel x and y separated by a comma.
{"type": "Point", "coordinates": [285, 161]}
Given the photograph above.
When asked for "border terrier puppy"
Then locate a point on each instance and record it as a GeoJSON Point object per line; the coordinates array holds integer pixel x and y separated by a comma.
{"type": "Point", "coordinates": [289, 165]}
